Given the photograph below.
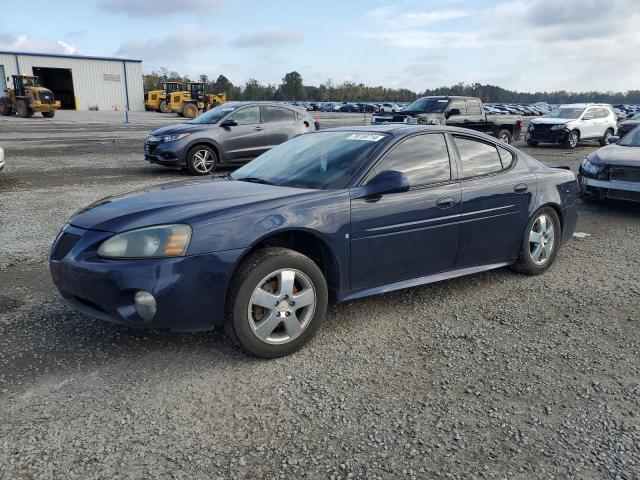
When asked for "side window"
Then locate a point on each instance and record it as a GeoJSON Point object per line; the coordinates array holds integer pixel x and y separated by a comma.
{"type": "Point", "coordinates": [424, 159]}
{"type": "Point", "coordinates": [277, 114]}
{"type": "Point", "coordinates": [247, 116]}
{"type": "Point", "coordinates": [473, 107]}
{"type": "Point", "coordinates": [506, 157]}
{"type": "Point", "coordinates": [460, 105]}
{"type": "Point", "coordinates": [592, 112]}
{"type": "Point", "coordinates": [478, 158]}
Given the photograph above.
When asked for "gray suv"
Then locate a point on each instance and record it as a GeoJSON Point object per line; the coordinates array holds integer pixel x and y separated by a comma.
{"type": "Point", "coordinates": [230, 134]}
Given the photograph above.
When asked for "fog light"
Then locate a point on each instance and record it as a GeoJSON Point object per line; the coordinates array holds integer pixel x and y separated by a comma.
{"type": "Point", "coordinates": [145, 304]}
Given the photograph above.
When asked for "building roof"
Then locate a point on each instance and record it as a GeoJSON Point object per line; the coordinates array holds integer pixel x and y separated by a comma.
{"type": "Point", "coordinates": [64, 55]}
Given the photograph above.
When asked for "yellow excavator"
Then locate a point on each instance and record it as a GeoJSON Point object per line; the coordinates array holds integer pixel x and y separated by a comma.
{"type": "Point", "coordinates": [28, 96]}
{"type": "Point", "coordinates": [156, 100]}
{"type": "Point", "coordinates": [193, 100]}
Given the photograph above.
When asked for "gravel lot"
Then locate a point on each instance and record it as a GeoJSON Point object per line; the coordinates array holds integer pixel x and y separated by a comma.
{"type": "Point", "coordinates": [495, 375]}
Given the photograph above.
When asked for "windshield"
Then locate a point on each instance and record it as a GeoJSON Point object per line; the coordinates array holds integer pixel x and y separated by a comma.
{"type": "Point", "coordinates": [30, 82]}
{"type": "Point", "coordinates": [322, 160]}
{"type": "Point", "coordinates": [216, 114]}
{"type": "Point", "coordinates": [631, 139]}
{"type": "Point", "coordinates": [428, 105]}
{"type": "Point", "coordinates": [571, 113]}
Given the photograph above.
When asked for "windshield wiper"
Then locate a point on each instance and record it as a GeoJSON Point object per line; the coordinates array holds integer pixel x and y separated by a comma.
{"type": "Point", "coordinates": [254, 180]}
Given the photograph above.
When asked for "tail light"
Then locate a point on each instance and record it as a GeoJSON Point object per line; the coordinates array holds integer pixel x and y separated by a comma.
{"type": "Point", "coordinates": [521, 124]}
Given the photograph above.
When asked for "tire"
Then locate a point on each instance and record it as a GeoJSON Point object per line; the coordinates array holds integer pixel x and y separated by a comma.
{"type": "Point", "coordinates": [202, 160]}
{"type": "Point", "coordinates": [604, 141]}
{"type": "Point", "coordinates": [50, 114]}
{"type": "Point", "coordinates": [505, 136]}
{"type": "Point", "coordinates": [163, 107]}
{"type": "Point", "coordinates": [6, 108]}
{"type": "Point", "coordinates": [532, 143]}
{"type": "Point", "coordinates": [572, 139]}
{"type": "Point", "coordinates": [24, 111]}
{"type": "Point", "coordinates": [190, 110]}
{"type": "Point", "coordinates": [531, 260]}
{"type": "Point", "coordinates": [290, 326]}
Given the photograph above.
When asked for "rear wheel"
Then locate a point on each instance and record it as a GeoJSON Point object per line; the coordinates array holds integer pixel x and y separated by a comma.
{"type": "Point", "coordinates": [201, 160]}
{"type": "Point", "coordinates": [572, 139]}
{"type": "Point", "coordinates": [24, 110]}
{"type": "Point", "coordinates": [163, 107]}
{"type": "Point", "coordinates": [505, 136]}
{"type": "Point", "coordinates": [276, 302]}
{"type": "Point", "coordinates": [540, 242]}
{"type": "Point", "coordinates": [5, 106]}
{"type": "Point", "coordinates": [605, 139]}
{"type": "Point", "coordinates": [190, 110]}
{"type": "Point", "coordinates": [50, 114]}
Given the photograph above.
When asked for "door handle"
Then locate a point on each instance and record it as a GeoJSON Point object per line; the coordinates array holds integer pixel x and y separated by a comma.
{"type": "Point", "coordinates": [521, 188]}
{"type": "Point", "coordinates": [446, 202]}
{"type": "Point", "coordinates": [258, 128]}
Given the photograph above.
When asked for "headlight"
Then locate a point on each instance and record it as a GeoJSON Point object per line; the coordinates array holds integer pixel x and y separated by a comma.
{"type": "Point", "coordinates": [159, 241]}
{"type": "Point", "coordinates": [176, 136]}
{"type": "Point", "coordinates": [590, 168]}
{"type": "Point", "coordinates": [558, 127]}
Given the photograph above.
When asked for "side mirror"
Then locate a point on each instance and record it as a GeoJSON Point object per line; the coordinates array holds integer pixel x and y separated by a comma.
{"type": "Point", "coordinates": [613, 139]}
{"type": "Point", "coordinates": [453, 112]}
{"type": "Point", "coordinates": [387, 181]}
{"type": "Point", "coordinates": [229, 123]}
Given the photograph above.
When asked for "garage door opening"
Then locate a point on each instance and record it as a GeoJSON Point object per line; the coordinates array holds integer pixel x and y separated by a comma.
{"type": "Point", "coordinates": [60, 82]}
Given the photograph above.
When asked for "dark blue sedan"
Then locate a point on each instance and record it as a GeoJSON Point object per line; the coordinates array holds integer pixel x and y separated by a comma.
{"type": "Point", "coordinates": [326, 217]}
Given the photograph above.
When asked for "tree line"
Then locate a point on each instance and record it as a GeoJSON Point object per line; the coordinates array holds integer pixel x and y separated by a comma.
{"type": "Point", "coordinates": [292, 88]}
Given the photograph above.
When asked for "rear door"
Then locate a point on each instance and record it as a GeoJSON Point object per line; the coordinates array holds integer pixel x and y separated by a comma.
{"type": "Point", "coordinates": [476, 119]}
{"type": "Point", "coordinates": [406, 235]}
{"type": "Point", "coordinates": [245, 140]}
{"type": "Point", "coordinates": [589, 125]}
{"type": "Point", "coordinates": [280, 125]}
{"type": "Point", "coordinates": [496, 192]}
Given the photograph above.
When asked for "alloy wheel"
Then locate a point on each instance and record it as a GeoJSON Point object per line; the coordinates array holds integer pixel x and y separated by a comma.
{"type": "Point", "coordinates": [282, 306]}
{"type": "Point", "coordinates": [607, 136]}
{"type": "Point", "coordinates": [573, 139]}
{"type": "Point", "coordinates": [541, 239]}
{"type": "Point", "coordinates": [203, 161]}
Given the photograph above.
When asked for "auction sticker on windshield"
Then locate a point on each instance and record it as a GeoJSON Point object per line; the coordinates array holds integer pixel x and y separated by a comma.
{"type": "Point", "coordinates": [366, 137]}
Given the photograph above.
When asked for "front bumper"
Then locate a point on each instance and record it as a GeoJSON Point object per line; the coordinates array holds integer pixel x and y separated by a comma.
{"type": "Point", "coordinates": [46, 107]}
{"type": "Point", "coordinates": [170, 154]}
{"type": "Point", "coordinates": [544, 135]}
{"type": "Point", "coordinates": [614, 189]}
{"type": "Point", "coordinates": [190, 291]}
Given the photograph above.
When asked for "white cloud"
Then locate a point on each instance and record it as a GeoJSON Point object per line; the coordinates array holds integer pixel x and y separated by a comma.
{"type": "Point", "coordinates": [181, 44]}
{"type": "Point", "coordinates": [269, 37]}
{"type": "Point", "coordinates": [24, 43]}
{"type": "Point", "coordinates": [396, 17]}
{"type": "Point", "coordinates": [158, 8]}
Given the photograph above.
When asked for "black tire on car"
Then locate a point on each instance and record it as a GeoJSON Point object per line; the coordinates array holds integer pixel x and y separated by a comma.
{"type": "Point", "coordinates": [572, 139]}
{"type": "Point", "coordinates": [202, 160]}
{"type": "Point", "coordinates": [262, 270]}
{"type": "Point", "coordinates": [24, 110]}
{"type": "Point", "coordinates": [528, 261]}
{"type": "Point", "coordinates": [532, 143]}
{"type": "Point", "coordinates": [605, 139]}
{"type": "Point", "coordinates": [50, 114]}
{"type": "Point", "coordinates": [5, 106]}
{"type": "Point", "coordinates": [505, 136]}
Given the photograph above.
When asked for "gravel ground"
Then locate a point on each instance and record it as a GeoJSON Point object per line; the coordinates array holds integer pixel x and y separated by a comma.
{"type": "Point", "coordinates": [495, 375]}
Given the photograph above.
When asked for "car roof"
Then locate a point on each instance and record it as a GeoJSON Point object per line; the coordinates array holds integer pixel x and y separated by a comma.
{"type": "Point", "coordinates": [402, 130]}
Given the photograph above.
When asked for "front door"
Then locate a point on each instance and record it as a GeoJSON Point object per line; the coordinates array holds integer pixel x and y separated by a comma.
{"type": "Point", "coordinates": [407, 235]}
{"type": "Point", "coordinates": [245, 140]}
{"type": "Point", "coordinates": [495, 199]}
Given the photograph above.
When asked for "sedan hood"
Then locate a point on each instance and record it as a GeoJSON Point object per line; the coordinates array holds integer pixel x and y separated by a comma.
{"type": "Point", "coordinates": [630, 123]}
{"type": "Point", "coordinates": [550, 121]}
{"type": "Point", "coordinates": [616, 155]}
{"type": "Point", "coordinates": [184, 202]}
{"type": "Point", "coordinates": [180, 128]}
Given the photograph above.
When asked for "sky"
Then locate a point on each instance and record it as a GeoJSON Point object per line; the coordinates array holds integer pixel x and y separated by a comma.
{"type": "Point", "coordinates": [523, 45]}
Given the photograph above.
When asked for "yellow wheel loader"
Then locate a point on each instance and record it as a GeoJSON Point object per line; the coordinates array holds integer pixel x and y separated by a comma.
{"type": "Point", "coordinates": [192, 100]}
{"type": "Point", "coordinates": [156, 100]}
{"type": "Point", "coordinates": [28, 96]}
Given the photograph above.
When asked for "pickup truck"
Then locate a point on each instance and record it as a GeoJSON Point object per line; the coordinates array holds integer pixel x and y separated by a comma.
{"type": "Point", "coordinates": [466, 112]}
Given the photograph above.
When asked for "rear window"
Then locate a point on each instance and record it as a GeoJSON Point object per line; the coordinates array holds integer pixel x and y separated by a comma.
{"type": "Point", "coordinates": [277, 114]}
{"type": "Point", "coordinates": [478, 158]}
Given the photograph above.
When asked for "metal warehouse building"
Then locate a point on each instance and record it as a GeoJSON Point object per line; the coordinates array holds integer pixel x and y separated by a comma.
{"type": "Point", "coordinates": [79, 82]}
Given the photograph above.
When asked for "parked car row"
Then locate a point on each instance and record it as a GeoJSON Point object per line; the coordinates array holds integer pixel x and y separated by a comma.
{"type": "Point", "coordinates": [351, 107]}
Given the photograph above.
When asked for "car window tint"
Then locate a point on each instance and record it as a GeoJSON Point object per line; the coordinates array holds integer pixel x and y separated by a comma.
{"type": "Point", "coordinates": [460, 105]}
{"type": "Point", "coordinates": [478, 158]}
{"type": "Point", "coordinates": [506, 156]}
{"type": "Point", "coordinates": [247, 116]}
{"type": "Point", "coordinates": [474, 107]}
{"type": "Point", "coordinates": [277, 114]}
{"type": "Point", "coordinates": [424, 159]}
{"type": "Point", "coordinates": [592, 112]}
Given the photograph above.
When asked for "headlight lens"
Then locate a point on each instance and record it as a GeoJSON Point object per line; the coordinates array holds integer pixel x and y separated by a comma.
{"type": "Point", "coordinates": [558, 127]}
{"type": "Point", "coordinates": [150, 242]}
{"type": "Point", "coordinates": [176, 136]}
{"type": "Point", "coordinates": [590, 168]}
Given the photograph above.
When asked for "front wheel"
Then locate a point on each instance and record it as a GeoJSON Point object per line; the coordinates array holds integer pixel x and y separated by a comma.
{"type": "Point", "coordinates": [190, 110]}
{"type": "Point", "coordinates": [163, 107]}
{"type": "Point", "coordinates": [605, 139]}
{"type": "Point", "coordinates": [572, 139]}
{"type": "Point", "coordinates": [276, 302]}
{"type": "Point", "coordinates": [201, 160]}
{"type": "Point", "coordinates": [24, 110]}
{"type": "Point", "coordinates": [505, 136]}
{"type": "Point", "coordinates": [540, 242]}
